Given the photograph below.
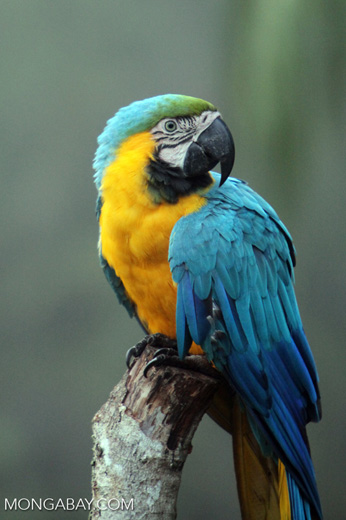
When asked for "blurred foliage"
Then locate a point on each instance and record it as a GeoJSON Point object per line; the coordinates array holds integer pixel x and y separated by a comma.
{"type": "Point", "coordinates": [276, 70]}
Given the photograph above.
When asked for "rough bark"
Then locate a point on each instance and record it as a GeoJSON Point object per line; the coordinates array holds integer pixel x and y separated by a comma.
{"type": "Point", "coordinates": [142, 436]}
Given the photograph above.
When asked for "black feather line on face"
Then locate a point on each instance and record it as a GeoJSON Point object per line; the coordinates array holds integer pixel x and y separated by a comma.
{"type": "Point", "coordinates": [169, 183]}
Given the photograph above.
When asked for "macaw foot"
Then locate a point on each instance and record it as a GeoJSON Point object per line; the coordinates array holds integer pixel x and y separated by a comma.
{"type": "Point", "coordinates": [154, 340]}
{"type": "Point", "coordinates": [167, 357]}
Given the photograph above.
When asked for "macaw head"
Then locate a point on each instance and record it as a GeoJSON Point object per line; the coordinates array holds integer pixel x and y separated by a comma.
{"type": "Point", "coordinates": [189, 138]}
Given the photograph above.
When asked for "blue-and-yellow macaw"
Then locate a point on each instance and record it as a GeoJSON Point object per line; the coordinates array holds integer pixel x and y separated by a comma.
{"type": "Point", "coordinates": [203, 259]}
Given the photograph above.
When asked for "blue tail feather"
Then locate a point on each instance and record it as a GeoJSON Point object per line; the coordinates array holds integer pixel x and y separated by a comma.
{"type": "Point", "coordinates": [300, 507]}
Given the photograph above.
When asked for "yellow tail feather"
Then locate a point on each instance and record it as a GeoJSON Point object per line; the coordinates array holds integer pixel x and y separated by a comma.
{"type": "Point", "coordinates": [285, 509]}
{"type": "Point", "coordinates": [262, 484]}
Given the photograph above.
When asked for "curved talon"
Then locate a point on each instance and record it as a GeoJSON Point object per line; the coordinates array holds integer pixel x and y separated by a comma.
{"type": "Point", "coordinates": [156, 361]}
{"type": "Point", "coordinates": [129, 354]}
{"type": "Point", "coordinates": [135, 351]}
{"type": "Point", "coordinates": [166, 357]}
{"type": "Point", "coordinates": [163, 357]}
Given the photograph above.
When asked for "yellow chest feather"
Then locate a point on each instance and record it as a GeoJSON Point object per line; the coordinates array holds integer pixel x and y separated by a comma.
{"type": "Point", "coordinates": [135, 233]}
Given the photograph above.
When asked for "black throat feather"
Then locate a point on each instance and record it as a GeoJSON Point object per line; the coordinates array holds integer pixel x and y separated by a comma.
{"type": "Point", "coordinates": [169, 183]}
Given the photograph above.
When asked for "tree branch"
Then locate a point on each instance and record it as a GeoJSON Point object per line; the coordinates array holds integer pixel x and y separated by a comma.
{"type": "Point", "coordinates": [142, 436]}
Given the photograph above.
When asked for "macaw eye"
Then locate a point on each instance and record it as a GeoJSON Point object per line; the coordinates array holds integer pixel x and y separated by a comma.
{"type": "Point", "coordinates": [170, 125]}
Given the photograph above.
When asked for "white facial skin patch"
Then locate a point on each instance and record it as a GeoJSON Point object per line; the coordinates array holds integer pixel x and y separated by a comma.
{"type": "Point", "coordinates": [174, 135]}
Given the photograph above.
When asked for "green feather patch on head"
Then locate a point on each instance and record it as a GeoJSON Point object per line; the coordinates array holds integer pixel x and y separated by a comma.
{"type": "Point", "coordinates": [172, 105]}
{"type": "Point", "coordinates": [141, 116]}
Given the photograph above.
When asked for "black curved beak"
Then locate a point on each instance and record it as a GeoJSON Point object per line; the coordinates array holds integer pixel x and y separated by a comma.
{"type": "Point", "coordinates": [214, 145]}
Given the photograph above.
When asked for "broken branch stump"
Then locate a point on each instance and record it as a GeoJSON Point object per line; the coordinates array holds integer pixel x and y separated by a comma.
{"type": "Point", "coordinates": [142, 436]}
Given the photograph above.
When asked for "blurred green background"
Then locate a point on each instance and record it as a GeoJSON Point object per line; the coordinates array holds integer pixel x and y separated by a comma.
{"type": "Point", "coordinates": [276, 71]}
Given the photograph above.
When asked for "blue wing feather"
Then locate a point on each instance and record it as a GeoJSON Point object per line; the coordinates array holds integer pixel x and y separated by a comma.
{"type": "Point", "coordinates": [192, 314]}
{"type": "Point", "coordinates": [240, 256]}
{"type": "Point", "coordinates": [184, 339]}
